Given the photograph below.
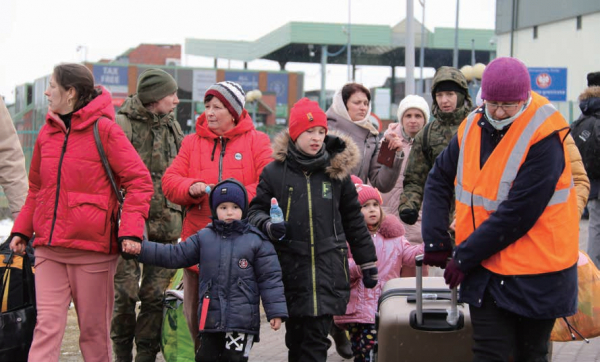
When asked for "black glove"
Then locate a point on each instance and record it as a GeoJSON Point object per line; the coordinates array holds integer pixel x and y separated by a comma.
{"type": "Point", "coordinates": [437, 258]}
{"type": "Point", "coordinates": [409, 216]}
{"type": "Point", "coordinates": [370, 276]}
{"type": "Point", "coordinates": [275, 231]}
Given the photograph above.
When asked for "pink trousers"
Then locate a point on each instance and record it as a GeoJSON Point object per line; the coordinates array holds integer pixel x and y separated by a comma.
{"type": "Point", "coordinates": [92, 290]}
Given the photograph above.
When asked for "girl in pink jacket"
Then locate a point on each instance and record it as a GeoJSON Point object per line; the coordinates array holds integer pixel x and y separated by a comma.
{"type": "Point", "coordinates": [393, 251]}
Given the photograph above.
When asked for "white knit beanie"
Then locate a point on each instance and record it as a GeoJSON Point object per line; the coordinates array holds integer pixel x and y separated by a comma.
{"type": "Point", "coordinates": [413, 101]}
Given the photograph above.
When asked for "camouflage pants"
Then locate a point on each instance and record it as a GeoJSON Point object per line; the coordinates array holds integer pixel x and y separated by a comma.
{"type": "Point", "coordinates": [146, 330]}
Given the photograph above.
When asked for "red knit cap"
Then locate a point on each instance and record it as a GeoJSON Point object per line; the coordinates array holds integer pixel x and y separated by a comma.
{"type": "Point", "coordinates": [366, 193]}
{"type": "Point", "coordinates": [306, 114]}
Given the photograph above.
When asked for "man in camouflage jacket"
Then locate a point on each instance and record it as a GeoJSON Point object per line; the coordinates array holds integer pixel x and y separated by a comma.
{"type": "Point", "coordinates": [451, 105]}
{"type": "Point", "coordinates": [149, 122]}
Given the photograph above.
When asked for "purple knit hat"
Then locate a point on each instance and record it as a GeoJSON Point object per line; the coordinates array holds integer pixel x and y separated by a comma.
{"type": "Point", "coordinates": [505, 80]}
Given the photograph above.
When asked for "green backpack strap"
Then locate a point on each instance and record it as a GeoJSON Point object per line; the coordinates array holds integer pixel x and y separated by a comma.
{"type": "Point", "coordinates": [125, 124]}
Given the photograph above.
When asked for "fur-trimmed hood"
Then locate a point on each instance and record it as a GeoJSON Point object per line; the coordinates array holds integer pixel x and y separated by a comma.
{"type": "Point", "coordinates": [589, 101]}
{"type": "Point", "coordinates": [391, 227]}
{"type": "Point", "coordinates": [590, 92]}
{"type": "Point", "coordinates": [344, 155]}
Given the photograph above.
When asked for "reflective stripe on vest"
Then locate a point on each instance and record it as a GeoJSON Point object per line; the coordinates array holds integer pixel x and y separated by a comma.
{"type": "Point", "coordinates": [480, 190]}
{"type": "Point", "coordinates": [512, 166]}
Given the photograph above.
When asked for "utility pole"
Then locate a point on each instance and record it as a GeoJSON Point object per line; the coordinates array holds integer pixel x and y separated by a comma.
{"type": "Point", "coordinates": [422, 51]}
{"type": "Point", "coordinates": [349, 49]}
{"type": "Point", "coordinates": [409, 53]}
{"type": "Point", "coordinates": [455, 58]}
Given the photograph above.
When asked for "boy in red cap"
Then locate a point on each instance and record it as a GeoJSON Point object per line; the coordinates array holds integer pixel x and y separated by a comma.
{"type": "Point", "coordinates": [310, 178]}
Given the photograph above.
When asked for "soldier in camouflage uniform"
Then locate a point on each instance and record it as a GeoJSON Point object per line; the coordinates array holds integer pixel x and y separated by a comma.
{"type": "Point", "coordinates": [149, 122]}
{"type": "Point", "coordinates": [451, 105]}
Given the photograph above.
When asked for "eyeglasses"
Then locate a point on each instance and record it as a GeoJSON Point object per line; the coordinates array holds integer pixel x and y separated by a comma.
{"type": "Point", "coordinates": [505, 107]}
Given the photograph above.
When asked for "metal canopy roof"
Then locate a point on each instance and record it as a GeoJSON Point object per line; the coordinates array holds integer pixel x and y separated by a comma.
{"type": "Point", "coordinates": [371, 45]}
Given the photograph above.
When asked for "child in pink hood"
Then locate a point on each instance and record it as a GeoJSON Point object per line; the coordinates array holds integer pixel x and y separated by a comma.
{"type": "Point", "coordinates": [393, 251]}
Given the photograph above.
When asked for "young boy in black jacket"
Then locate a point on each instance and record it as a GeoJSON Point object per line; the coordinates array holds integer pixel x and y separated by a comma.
{"type": "Point", "coordinates": [237, 268]}
{"type": "Point", "coordinates": [310, 178]}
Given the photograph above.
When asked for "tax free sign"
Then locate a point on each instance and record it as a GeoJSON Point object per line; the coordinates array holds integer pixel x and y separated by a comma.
{"type": "Point", "coordinates": [549, 82]}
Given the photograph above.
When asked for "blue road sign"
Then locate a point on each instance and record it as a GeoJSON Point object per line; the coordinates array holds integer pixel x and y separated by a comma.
{"type": "Point", "coordinates": [549, 82]}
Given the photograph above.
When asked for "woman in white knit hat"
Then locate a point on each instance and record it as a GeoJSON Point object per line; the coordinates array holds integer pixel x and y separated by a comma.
{"type": "Point", "coordinates": [413, 114]}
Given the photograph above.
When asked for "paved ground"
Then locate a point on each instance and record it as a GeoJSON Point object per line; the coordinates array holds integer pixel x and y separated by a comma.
{"type": "Point", "coordinates": [272, 346]}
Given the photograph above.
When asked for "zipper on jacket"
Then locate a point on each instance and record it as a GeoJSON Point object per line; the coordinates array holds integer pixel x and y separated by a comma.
{"type": "Point", "coordinates": [312, 245]}
{"type": "Point", "coordinates": [223, 145]}
{"type": "Point", "coordinates": [60, 161]}
{"type": "Point", "coordinates": [289, 203]}
{"type": "Point", "coordinates": [344, 262]}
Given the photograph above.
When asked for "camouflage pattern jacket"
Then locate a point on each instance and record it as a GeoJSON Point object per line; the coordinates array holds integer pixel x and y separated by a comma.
{"type": "Point", "coordinates": [439, 132]}
{"type": "Point", "coordinates": [157, 140]}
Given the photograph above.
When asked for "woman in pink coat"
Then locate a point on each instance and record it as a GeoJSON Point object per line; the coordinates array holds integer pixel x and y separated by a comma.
{"type": "Point", "coordinates": [71, 207]}
{"type": "Point", "coordinates": [413, 113]}
{"type": "Point", "coordinates": [393, 251]}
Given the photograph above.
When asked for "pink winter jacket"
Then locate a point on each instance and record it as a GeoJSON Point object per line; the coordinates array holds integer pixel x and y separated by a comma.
{"type": "Point", "coordinates": [393, 251]}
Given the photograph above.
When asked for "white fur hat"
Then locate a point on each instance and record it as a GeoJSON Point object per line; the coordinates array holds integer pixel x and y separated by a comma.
{"type": "Point", "coordinates": [413, 101]}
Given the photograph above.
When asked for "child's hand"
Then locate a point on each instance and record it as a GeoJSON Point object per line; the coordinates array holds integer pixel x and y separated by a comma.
{"type": "Point", "coordinates": [275, 323]}
{"type": "Point", "coordinates": [131, 247]}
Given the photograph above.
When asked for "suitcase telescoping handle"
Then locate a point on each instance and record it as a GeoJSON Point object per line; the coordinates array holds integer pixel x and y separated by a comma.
{"type": "Point", "coordinates": [453, 317]}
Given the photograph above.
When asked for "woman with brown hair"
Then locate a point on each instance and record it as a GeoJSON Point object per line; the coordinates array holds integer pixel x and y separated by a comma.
{"type": "Point", "coordinates": [72, 209]}
{"type": "Point", "coordinates": [349, 113]}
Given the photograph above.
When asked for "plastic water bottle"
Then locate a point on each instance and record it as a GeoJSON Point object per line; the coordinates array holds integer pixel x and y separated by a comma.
{"type": "Point", "coordinates": [276, 213]}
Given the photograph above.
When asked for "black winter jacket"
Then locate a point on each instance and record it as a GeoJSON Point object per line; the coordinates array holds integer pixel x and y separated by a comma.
{"type": "Point", "coordinates": [321, 208]}
{"type": "Point", "coordinates": [237, 266]}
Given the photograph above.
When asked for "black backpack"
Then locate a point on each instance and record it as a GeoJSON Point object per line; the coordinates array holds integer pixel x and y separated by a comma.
{"type": "Point", "coordinates": [586, 133]}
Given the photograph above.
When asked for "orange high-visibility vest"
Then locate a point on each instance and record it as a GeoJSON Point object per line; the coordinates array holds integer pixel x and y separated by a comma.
{"type": "Point", "coordinates": [552, 243]}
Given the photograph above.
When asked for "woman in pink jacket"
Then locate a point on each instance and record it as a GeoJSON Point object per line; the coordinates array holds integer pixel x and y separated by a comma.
{"type": "Point", "coordinates": [71, 207]}
{"type": "Point", "coordinates": [225, 145]}
{"type": "Point", "coordinates": [413, 114]}
{"type": "Point", "coordinates": [393, 251]}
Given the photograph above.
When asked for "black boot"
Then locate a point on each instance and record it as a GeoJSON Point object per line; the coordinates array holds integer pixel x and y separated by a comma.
{"type": "Point", "coordinates": [342, 343]}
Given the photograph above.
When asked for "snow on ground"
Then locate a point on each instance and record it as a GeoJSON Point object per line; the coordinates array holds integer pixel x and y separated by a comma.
{"type": "Point", "coordinates": [5, 228]}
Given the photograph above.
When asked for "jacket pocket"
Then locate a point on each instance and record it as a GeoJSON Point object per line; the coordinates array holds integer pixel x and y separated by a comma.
{"type": "Point", "coordinates": [172, 206]}
{"type": "Point", "coordinates": [42, 214]}
{"type": "Point", "coordinates": [87, 216]}
{"type": "Point", "coordinates": [250, 293]}
{"type": "Point", "coordinates": [250, 308]}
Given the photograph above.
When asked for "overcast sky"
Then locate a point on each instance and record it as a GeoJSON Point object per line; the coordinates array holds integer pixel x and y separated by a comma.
{"type": "Point", "coordinates": [35, 35]}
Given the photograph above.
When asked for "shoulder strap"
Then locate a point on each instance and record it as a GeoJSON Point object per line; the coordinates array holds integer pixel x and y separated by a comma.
{"type": "Point", "coordinates": [125, 124]}
{"type": "Point", "coordinates": [105, 161]}
{"type": "Point", "coordinates": [177, 133]}
{"type": "Point", "coordinates": [425, 146]}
